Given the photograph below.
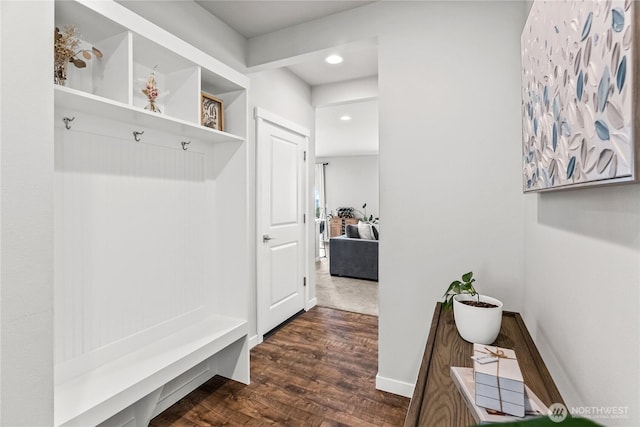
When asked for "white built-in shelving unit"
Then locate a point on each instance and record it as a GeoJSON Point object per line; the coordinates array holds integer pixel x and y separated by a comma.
{"type": "Point", "coordinates": [150, 235]}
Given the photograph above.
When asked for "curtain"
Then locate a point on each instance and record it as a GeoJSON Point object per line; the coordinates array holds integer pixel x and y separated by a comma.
{"type": "Point", "coordinates": [320, 200]}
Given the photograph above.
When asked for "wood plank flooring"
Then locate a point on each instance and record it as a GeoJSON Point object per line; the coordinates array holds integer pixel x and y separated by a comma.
{"type": "Point", "coordinates": [317, 370]}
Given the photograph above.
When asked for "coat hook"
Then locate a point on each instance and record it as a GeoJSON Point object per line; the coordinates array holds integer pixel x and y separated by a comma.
{"type": "Point", "coordinates": [66, 121]}
{"type": "Point", "coordinates": [184, 144]}
{"type": "Point", "coordinates": [136, 135]}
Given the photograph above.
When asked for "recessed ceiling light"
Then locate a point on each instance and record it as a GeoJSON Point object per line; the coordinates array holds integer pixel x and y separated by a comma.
{"type": "Point", "coordinates": [334, 59]}
{"type": "Point", "coordinates": [345, 118]}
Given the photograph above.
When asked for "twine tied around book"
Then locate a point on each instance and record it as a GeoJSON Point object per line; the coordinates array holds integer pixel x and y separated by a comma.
{"type": "Point", "coordinates": [500, 355]}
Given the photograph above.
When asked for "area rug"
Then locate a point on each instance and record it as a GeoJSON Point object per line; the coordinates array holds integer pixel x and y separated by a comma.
{"type": "Point", "coordinates": [359, 296]}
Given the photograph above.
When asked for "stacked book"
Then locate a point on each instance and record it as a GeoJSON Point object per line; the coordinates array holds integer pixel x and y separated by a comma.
{"type": "Point", "coordinates": [494, 389]}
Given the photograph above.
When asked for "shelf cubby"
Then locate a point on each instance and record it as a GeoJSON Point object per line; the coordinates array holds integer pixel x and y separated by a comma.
{"type": "Point", "coordinates": [107, 76]}
{"type": "Point", "coordinates": [177, 80]}
{"type": "Point", "coordinates": [234, 101]}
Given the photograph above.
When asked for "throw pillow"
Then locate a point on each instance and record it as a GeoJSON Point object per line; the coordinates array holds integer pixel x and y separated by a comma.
{"type": "Point", "coordinates": [351, 230]}
{"type": "Point", "coordinates": [364, 230]}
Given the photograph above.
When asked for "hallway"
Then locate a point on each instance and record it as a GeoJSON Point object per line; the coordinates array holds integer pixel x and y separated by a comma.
{"type": "Point", "coordinates": [319, 369]}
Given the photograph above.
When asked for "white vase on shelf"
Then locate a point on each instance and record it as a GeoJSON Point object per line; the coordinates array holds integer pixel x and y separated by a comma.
{"type": "Point", "coordinates": [477, 324]}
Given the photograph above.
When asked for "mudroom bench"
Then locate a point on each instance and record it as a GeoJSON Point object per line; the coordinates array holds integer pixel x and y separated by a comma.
{"type": "Point", "coordinates": [143, 383]}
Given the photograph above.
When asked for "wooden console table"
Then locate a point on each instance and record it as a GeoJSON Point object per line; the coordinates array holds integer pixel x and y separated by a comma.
{"type": "Point", "coordinates": [436, 400]}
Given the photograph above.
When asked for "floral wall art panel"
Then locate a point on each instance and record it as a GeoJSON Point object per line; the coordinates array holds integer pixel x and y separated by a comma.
{"type": "Point", "coordinates": [578, 97]}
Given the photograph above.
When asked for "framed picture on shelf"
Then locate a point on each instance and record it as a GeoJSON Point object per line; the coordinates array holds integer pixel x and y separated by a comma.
{"type": "Point", "coordinates": [211, 111]}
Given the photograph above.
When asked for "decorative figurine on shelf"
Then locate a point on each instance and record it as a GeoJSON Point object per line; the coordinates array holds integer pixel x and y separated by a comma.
{"type": "Point", "coordinates": [64, 47]}
{"type": "Point", "coordinates": [152, 92]}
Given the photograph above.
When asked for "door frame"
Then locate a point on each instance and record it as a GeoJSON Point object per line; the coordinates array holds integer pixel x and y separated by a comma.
{"type": "Point", "coordinates": [261, 115]}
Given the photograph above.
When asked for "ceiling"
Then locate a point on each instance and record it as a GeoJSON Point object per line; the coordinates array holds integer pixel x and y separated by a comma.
{"type": "Point", "coordinates": [359, 61]}
{"type": "Point", "coordinates": [358, 136]}
{"type": "Point", "coordinates": [333, 136]}
{"type": "Point", "coordinates": [255, 18]}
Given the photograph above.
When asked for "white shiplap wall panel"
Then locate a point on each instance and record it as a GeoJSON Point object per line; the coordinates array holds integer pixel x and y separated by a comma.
{"type": "Point", "coordinates": [131, 233]}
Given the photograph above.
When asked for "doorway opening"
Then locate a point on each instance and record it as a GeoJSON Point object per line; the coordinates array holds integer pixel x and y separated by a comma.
{"type": "Point", "coordinates": [347, 206]}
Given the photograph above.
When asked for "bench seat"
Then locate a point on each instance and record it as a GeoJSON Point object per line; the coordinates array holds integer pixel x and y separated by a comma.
{"type": "Point", "coordinates": [97, 395]}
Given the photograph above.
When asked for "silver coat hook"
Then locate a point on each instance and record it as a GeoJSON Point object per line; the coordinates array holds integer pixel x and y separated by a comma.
{"type": "Point", "coordinates": [136, 135]}
{"type": "Point", "coordinates": [67, 120]}
{"type": "Point", "coordinates": [184, 144]}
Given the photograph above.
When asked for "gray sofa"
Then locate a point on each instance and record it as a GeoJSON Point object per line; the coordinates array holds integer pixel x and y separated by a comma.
{"type": "Point", "coordinates": [357, 258]}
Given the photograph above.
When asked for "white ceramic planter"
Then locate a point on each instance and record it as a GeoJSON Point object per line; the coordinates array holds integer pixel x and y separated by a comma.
{"type": "Point", "coordinates": [477, 324]}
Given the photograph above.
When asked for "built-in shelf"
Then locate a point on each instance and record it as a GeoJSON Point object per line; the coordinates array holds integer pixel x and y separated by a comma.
{"type": "Point", "coordinates": [150, 285]}
{"type": "Point", "coordinates": [132, 49]}
{"type": "Point", "coordinates": [86, 399]}
{"type": "Point", "coordinates": [75, 100]}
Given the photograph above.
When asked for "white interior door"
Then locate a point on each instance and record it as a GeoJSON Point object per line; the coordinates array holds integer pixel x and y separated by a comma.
{"type": "Point", "coordinates": [281, 219]}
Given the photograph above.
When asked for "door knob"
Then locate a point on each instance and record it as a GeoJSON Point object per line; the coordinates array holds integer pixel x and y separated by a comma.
{"type": "Point", "coordinates": [266, 238]}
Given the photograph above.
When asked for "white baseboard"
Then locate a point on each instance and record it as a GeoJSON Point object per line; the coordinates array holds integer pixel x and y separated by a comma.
{"type": "Point", "coordinates": [394, 386]}
{"type": "Point", "coordinates": [253, 341]}
{"type": "Point", "coordinates": [310, 304]}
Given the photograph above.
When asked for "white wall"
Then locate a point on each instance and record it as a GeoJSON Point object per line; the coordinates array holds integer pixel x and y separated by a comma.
{"type": "Point", "coordinates": [448, 161]}
{"type": "Point", "coordinates": [352, 182]}
{"type": "Point", "coordinates": [283, 93]}
{"type": "Point", "coordinates": [26, 214]}
{"type": "Point", "coordinates": [581, 297]}
{"type": "Point", "coordinates": [345, 92]}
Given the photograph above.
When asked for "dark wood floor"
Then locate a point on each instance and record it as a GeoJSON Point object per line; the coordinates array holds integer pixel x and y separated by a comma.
{"type": "Point", "coordinates": [317, 370]}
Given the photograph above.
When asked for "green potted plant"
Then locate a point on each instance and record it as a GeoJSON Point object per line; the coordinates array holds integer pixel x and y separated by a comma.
{"type": "Point", "coordinates": [478, 317]}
